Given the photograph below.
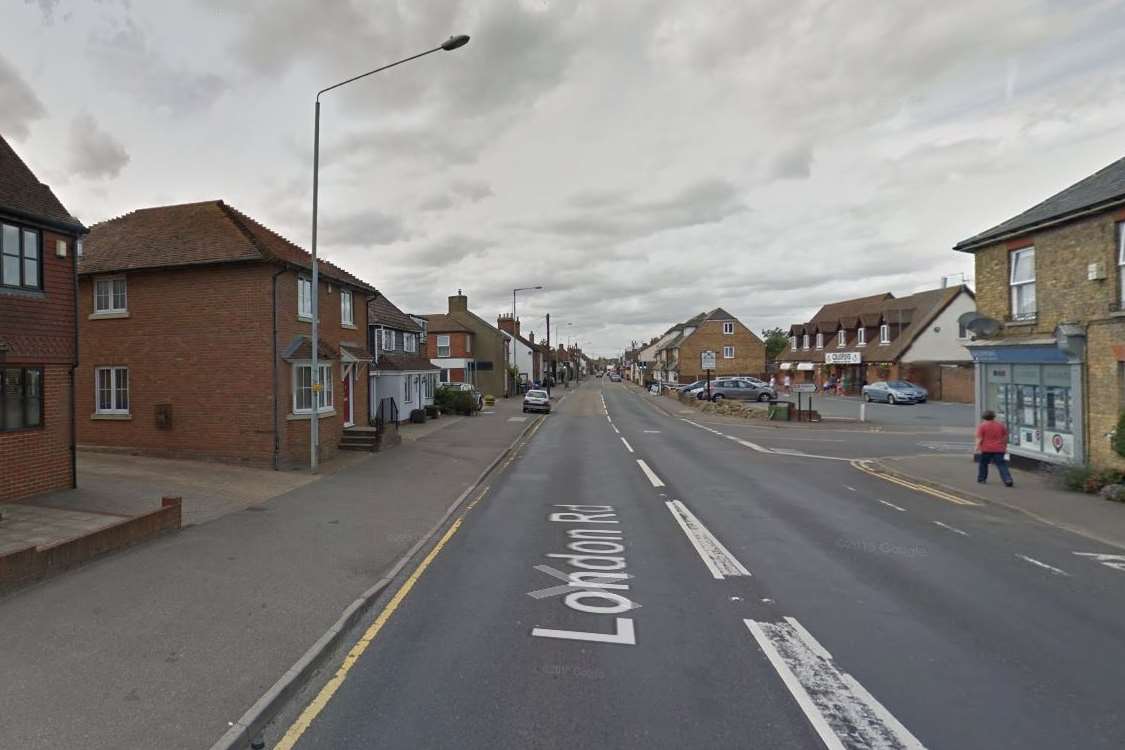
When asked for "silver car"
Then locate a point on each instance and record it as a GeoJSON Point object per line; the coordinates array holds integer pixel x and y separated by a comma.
{"type": "Point", "coordinates": [895, 392]}
{"type": "Point", "coordinates": [536, 401]}
{"type": "Point", "coordinates": [741, 389]}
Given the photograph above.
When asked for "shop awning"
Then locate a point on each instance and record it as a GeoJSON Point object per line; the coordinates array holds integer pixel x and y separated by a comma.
{"type": "Point", "coordinates": [804, 365]}
{"type": "Point", "coordinates": [786, 365]}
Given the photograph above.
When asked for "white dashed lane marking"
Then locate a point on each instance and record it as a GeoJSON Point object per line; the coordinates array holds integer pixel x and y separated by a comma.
{"type": "Point", "coordinates": [716, 557]}
{"type": "Point", "coordinates": [1045, 566]}
{"type": "Point", "coordinates": [627, 446]}
{"type": "Point", "coordinates": [655, 480]}
{"type": "Point", "coordinates": [892, 505]}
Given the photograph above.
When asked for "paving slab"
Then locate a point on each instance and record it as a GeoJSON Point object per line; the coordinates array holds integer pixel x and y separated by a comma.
{"type": "Point", "coordinates": [23, 526]}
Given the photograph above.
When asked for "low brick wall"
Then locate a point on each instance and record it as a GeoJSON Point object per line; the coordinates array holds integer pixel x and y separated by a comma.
{"type": "Point", "coordinates": [33, 563]}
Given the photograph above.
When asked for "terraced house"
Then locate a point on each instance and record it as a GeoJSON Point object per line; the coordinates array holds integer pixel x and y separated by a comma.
{"type": "Point", "coordinates": [38, 333]}
{"type": "Point", "coordinates": [196, 339]}
{"type": "Point", "coordinates": [883, 337]}
{"type": "Point", "coordinates": [1050, 345]}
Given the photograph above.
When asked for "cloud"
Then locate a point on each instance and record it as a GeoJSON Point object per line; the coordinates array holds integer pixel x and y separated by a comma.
{"type": "Point", "coordinates": [460, 193]}
{"type": "Point", "coordinates": [129, 62]}
{"type": "Point", "coordinates": [362, 228]}
{"type": "Point", "coordinates": [449, 250]}
{"type": "Point", "coordinates": [20, 105]}
{"type": "Point", "coordinates": [794, 162]}
{"type": "Point", "coordinates": [47, 7]}
{"type": "Point", "coordinates": [94, 153]}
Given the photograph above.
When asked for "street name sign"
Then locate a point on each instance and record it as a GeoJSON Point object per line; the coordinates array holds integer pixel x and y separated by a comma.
{"type": "Point", "coordinates": [804, 388]}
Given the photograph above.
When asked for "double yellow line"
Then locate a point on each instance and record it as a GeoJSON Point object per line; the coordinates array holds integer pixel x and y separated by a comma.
{"type": "Point", "coordinates": [864, 465]}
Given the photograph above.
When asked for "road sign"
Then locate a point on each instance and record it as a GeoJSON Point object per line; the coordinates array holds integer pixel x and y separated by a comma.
{"type": "Point", "coordinates": [707, 360]}
{"type": "Point", "coordinates": [804, 388]}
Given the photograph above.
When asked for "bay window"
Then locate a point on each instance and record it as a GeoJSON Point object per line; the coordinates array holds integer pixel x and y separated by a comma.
{"type": "Point", "coordinates": [1022, 283]}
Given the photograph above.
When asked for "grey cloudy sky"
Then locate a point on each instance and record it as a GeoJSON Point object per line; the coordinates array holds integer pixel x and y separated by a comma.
{"type": "Point", "coordinates": [644, 160]}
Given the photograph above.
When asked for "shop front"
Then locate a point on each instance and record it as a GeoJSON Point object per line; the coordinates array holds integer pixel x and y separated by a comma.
{"type": "Point", "coordinates": [846, 368]}
{"type": "Point", "coordinates": [1036, 390]}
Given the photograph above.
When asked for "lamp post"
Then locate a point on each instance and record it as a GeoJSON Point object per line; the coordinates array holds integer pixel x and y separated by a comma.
{"type": "Point", "coordinates": [520, 289]}
{"type": "Point", "coordinates": [314, 423]}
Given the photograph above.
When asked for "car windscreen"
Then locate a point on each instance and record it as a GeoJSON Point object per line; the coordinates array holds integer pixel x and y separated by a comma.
{"type": "Point", "coordinates": [900, 384]}
{"type": "Point", "coordinates": [537, 394]}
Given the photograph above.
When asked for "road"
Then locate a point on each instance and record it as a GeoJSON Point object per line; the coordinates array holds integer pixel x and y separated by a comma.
{"type": "Point", "coordinates": [634, 579]}
{"type": "Point", "coordinates": [928, 415]}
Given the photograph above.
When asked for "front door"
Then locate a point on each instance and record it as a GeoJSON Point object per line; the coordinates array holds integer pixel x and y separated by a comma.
{"type": "Point", "coordinates": [347, 391]}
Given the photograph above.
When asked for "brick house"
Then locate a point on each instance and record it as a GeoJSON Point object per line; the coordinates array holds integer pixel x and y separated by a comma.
{"type": "Point", "coordinates": [738, 351]}
{"type": "Point", "coordinates": [665, 362]}
{"type": "Point", "coordinates": [883, 337]}
{"type": "Point", "coordinates": [1050, 361]}
{"type": "Point", "coordinates": [38, 333]}
{"type": "Point", "coordinates": [195, 325]}
{"type": "Point", "coordinates": [523, 352]}
{"type": "Point", "coordinates": [401, 371]}
{"type": "Point", "coordinates": [467, 349]}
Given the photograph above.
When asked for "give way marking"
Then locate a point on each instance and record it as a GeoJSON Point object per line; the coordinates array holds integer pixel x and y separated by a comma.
{"type": "Point", "coordinates": [839, 708]}
{"type": "Point", "coordinates": [1117, 562]}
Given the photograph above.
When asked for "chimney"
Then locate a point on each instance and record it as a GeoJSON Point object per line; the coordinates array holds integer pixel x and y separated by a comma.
{"type": "Point", "coordinates": [531, 336]}
{"type": "Point", "coordinates": [506, 323]}
{"type": "Point", "coordinates": [458, 303]}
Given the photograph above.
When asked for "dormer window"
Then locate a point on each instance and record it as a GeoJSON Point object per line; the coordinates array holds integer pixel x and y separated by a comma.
{"type": "Point", "coordinates": [793, 342]}
{"type": "Point", "coordinates": [805, 343]}
{"type": "Point", "coordinates": [820, 341]}
{"type": "Point", "coordinates": [884, 334]}
{"type": "Point", "coordinates": [842, 338]}
{"type": "Point", "coordinates": [861, 337]}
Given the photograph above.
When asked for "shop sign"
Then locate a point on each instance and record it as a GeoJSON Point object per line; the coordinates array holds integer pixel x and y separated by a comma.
{"type": "Point", "coordinates": [804, 365]}
{"type": "Point", "coordinates": [1024, 354]}
{"type": "Point", "coordinates": [1058, 444]}
{"type": "Point", "coordinates": [842, 358]}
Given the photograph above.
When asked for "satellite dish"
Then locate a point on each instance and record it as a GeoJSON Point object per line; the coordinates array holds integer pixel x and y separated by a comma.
{"type": "Point", "coordinates": [965, 318]}
{"type": "Point", "coordinates": [984, 327]}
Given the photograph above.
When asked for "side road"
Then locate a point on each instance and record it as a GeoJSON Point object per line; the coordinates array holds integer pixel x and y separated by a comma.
{"type": "Point", "coordinates": [166, 644]}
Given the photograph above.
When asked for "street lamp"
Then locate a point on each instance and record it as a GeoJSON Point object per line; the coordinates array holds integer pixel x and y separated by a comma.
{"type": "Point", "coordinates": [314, 423]}
{"type": "Point", "coordinates": [520, 289]}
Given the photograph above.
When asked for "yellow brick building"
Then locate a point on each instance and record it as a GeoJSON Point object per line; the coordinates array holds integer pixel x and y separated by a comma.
{"type": "Point", "coordinates": [1049, 345]}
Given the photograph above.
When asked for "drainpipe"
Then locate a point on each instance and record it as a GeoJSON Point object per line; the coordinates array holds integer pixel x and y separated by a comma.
{"type": "Point", "coordinates": [276, 437]}
{"type": "Point", "coordinates": [73, 368]}
{"type": "Point", "coordinates": [374, 355]}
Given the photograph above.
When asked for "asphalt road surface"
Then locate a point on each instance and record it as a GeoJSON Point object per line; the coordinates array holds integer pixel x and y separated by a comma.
{"type": "Point", "coordinates": [634, 579]}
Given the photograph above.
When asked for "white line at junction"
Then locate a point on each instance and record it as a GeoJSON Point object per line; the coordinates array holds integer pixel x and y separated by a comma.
{"type": "Point", "coordinates": [1052, 568]}
{"type": "Point", "coordinates": [650, 474]}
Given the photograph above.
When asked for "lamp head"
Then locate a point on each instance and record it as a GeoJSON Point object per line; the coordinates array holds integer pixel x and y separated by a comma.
{"type": "Point", "coordinates": [454, 42]}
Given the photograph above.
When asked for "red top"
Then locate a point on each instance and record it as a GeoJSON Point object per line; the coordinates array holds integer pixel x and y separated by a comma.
{"type": "Point", "coordinates": [993, 436]}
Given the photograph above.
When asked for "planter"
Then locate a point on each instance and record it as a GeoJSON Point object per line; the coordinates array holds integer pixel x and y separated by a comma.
{"type": "Point", "coordinates": [418, 416]}
{"type": "Point", "coordinates": [433, 412]}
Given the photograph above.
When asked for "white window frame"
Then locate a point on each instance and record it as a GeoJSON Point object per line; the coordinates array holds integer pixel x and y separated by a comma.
{"type": "Point", "coordinates": [324, 400]}
{"type": "Point", "coordinates": [1016, 287]}
{"type": "Point", "coordinates": [304, 297]}
{"type": "Point", "coordinates": [113, 308]}
{"type": "Point", "coordinates": [841, 338]}
{"type": "Point", "coordinates": [806, 342]}
{"type": "Point", "coordinates": [1121, 266]}
{"type": "Point", "coordinates": [793, 342]}
{"type": "Point", "coordinates": [861, 336]}
{"type": "Point", "coordinates": [347, 311]}
{"type": "Point", "coordinates": [728, 352]}
{"type": "Point", "coordinates": [388, 340]}
{"type": "Point", "coordinates": [428, 386]}
{"type": "Point", "coordinates": [410, 342]}
{"type": "Point", "coordinates": [819, 340]}
{"type": "Point", "coordinates": [408, 390]}
{"type": "Point", "coordinates": [728, 328]}
{"type": "Point", "coordinates": [114, 390]}
{"type": "Point", "coordinates": [447, 346]}
{"type": "Point", "coordinates": [885, 333]}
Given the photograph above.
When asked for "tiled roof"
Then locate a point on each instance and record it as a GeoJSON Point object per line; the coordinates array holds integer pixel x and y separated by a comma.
{"type": "Point", "coordinates": [720, 314]}
{"type": "Point", "coordinates": [1105, 187]}
{"type": "Point", "coordinates": [193, 234]}
{"type": "Point", "coordinates": [403, 363]}
{"type": "Point", "coordinates": [381, 311]}
{"type": "Point", "coordinates": [22, 192]}
{"type": "Point", "coordinates": [442, 323]}
{"type": "Point", "coordinates": [300, 348]}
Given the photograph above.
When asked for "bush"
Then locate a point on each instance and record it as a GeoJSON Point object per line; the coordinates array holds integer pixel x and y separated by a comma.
{"type": "Point", "coordinates": [1115, 492]}
{"type": "Point", "coordinates": [1090, 480]}
{"type": "Point", "coordinates": [443, 399]}
{"type": "Point", "coordinates": [1119, 436]}
{"type": "Point", "coordinates": [463, 402]}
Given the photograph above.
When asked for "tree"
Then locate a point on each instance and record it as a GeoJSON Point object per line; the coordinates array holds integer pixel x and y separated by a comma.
{"type": "Point", "coordinates": [776, 340]}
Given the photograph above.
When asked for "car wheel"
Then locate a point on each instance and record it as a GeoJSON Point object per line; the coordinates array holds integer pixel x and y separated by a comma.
{"type": "Point", "coordinates": [717, 397]}
{"type": "Point", "coordinates": [891, 399]}
{"type": "Point", "coordinates": [867, 397]}
{"type": "Point", "coordinates": [764, 397]}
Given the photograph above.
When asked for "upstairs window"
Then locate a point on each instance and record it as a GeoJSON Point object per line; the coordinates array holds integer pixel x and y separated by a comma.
{"type": "Point", "coordinates": [347, 317]}
{"type": "Point", "coordinates": [1022, 283]}
{"type": "Point", "coordinates": [728, 328]}
{"type": "Point", "coordinates": [1121, 266]}
{"type": "Point", "coordinates": [21, 398]}
{"type": "Point", "coordinates": [388, 340]}
{"type": "Point", "coordinates": [728, 352]}
{"type": "Point", "coordinates": [110, 295]}
{"type": "Point", "coordinates": [304, 297]}
{"type": "Point", "coordinates": [884, 334]}
{"type": "Point", "coordinates": [841, 337]}
{"type": "Point", "coordinates": [793, 343]}
{"type": "Point", "coordinates": [443, 345]}
{"type": "Point", "coordinates": [820, 341]}
{"type": "Point", "coordinates": [861, 337]}
{"type": "Point", "coordinates": [410, 342]}
{"type": "Point", "coordinates": [806, 342]}
{"type": "Point", "coordinates": [21, 263]}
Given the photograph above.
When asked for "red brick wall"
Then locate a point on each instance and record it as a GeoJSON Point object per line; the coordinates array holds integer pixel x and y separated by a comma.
{"type": "Point", "coordinates": [200, 340]}
{"type": "Point", "coordinates": [39, 330]}
{"type": "Point", "coordinates": [457, 346]}
{"type": "Point", "coordinates": [38, 460]}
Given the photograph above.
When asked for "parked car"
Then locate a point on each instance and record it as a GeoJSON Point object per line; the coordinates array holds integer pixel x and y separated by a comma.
{"type": "Point", "coordinates": [477, 397]}
{"type": "Point", "coordinates": [614, 377]}
{"type": "Point", "coordinates": [536, 401]}
{"type": "Point", "coordinates": [895, 392]}
{"type": "Point", "coordinates": [691, 386]}
{"type": "Point", "coordinates": [742, 389]}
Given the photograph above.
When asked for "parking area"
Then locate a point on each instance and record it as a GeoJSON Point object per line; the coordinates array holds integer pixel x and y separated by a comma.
{"type": "Point", "coordinates": [931, 413]}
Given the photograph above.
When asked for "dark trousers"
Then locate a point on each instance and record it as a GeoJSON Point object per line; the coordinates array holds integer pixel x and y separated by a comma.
{"type": "Point", "coordinates": [1001, 466]}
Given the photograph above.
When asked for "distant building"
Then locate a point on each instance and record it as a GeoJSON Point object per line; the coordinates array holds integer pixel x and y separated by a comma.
{"type": "Point", "coordinates": [737, 350]}
{"type": "Point", "coordinates": [467, 349]}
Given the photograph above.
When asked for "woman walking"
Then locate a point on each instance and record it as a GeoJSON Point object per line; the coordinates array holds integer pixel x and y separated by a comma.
{"type": "Point", "coordinates": [992, 444]}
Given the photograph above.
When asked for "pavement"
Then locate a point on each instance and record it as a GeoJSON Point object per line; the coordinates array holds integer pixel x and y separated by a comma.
{"type": "Point", "coordinates": [23, 526]}
{"type": "Point", "coordinates": [168, 642]}
{"type": "Point", "coordinates": [636, 579]}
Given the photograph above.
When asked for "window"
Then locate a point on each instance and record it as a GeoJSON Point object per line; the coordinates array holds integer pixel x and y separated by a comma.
{"type": "Point", "coordinates": [408, 388]}
{"type": "Point", "coordinates": [443, 345]}
{"type": "Point", "coordinates": [962, 332]}
{"type": "Point", "coordinates": [346, 315]}
{"type": "Point", "coordinates": [861, 338]}
{"type": "Point", "coordinates": [112, 386]}
{"type": "Point", "coordinates": [469, 343]}
{"type": "Point", "coordinates": [884, 334]}
{"type": "Point", "coordinates": [428, 383]}
{"type": "Point", "coordinates": [793, 342]}
{"type": "Point", "coordinates": [1121, 265]}
{"type": "Point", "coordinates": [21, 398]}
{"type": "Point", "coordinates": [728, 327]}
{"type": "Point", "coordinates": [1023, 284]}
{"type": "Point", "coordinates": [728, 352]}
{"type": "Point", "coordinates": [110, 295]}
{"type": "Point", "coordinates": [388, 340]}
{"type": "Point", "coordinates": [444, 376]}
{"type": "Point", "coordinates": [820, 341]}
{"type": "Point", "coordinates": [304, 297]}
{"type": "Point", "coordinates": [806, 342]}
{"type": "Point", "coordinates": [21, 265]}
{"type": "Point", "coordinates": [303, 388]}
{"type": "Point", "coordinates": [410, 342]}
{"type": "Point", "coordinates": [841, 337]}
